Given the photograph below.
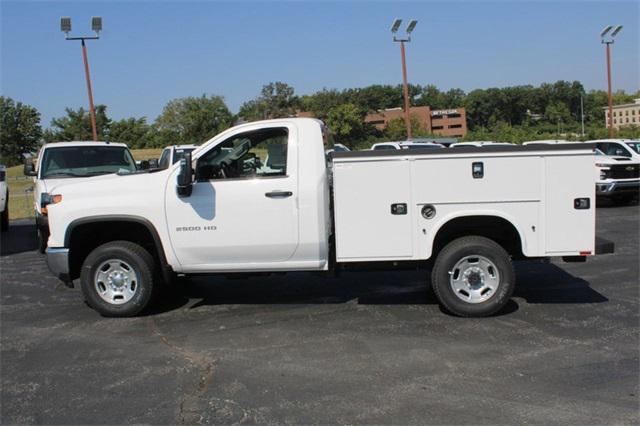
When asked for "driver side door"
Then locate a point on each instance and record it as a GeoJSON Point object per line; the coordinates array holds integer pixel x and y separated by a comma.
{"type": "Point", "coordinates": [242, 213]}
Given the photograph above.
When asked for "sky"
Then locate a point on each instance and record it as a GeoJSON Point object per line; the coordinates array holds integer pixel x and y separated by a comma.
{"type": "Point", "coordinates": [151, 52]}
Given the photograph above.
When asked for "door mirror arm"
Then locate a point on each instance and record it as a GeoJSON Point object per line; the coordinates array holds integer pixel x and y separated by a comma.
{"type": "Point", "coordinates": [184, 184]}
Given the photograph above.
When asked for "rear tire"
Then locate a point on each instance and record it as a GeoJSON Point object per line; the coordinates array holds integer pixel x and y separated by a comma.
{"type": "Point", "coordinates": [473, 277]}
{"type": "Point", "coordinates": [118, 279]}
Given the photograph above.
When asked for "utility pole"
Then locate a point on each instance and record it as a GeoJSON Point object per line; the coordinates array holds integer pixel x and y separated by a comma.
{"type": "Point", "coordinates": [96, 26]}
{"type": "Point", "coordinates": [405, 85]}
{"type": "Point", "coordinates": [582, 112]}
{"type": "Point", "coordinates": [608, 41]}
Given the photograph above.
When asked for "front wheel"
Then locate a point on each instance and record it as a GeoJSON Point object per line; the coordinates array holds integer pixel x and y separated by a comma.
{"type": "Point", "coordinates": [42, 238]}
{"type": "Point", "coordinates": [473, 277]}
{"type": "Point", "coordinates": [117, 279]}
{"type": "Point", "coordinates": [4, 217]}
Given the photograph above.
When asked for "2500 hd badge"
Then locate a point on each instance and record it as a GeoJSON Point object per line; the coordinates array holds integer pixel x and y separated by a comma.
{"type": "Point", "coordinates": [196, 228]}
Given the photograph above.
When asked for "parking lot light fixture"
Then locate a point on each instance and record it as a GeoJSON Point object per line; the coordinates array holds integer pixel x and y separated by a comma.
{"type": "Point", "coordinates": [96, 26]}
{"type": "Point", "coordinates": [608, 39]}
{"type": "Point", "coordinates": [402, 39]}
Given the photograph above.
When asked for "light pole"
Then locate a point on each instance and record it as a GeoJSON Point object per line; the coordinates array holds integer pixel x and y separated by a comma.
{"type": "Point", "coordinates": [607, 39]}
{"type": "Point", "coordinates": [96, 26]}
{"type": "Point", "coordinates": [407, 38]}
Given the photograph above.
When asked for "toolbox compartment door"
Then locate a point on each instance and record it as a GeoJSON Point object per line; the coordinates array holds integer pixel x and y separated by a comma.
{"type": "Point", "coordinates": [367, 225]}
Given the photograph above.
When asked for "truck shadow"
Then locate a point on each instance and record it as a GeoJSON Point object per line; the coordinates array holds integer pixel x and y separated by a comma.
{"type": "Point", "coordinates": [538, 282]}
{"type": "Point", "coordinates": [20, 237]}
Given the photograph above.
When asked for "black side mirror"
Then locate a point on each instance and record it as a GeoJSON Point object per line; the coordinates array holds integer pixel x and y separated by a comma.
{"type": "Point", "coordinates": [144, 165]}
{"type": "Point", "coordinates": [185, 177]}
{"type": "Point", "coordinates": [153, 163]}
{"type": "Point", "coordinates": [29, 168]}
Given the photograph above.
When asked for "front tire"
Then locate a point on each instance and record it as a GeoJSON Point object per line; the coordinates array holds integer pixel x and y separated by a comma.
{"type": "Point", "coordinates": [473, 277]}
{"type": "Point", "coordinates": [117, 279]}
{"type": "Point", "coordinates": [42, 237]}
{"type": "Point", "coordinates": [4, 217]}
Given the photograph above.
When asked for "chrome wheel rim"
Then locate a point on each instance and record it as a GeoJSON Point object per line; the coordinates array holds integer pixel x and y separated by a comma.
{"type": "Point", "coordinates": [474, 279]}
{"type": "Point", "coordinates": [115, 281]}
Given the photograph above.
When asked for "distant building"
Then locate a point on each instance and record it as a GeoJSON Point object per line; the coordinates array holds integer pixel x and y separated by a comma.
{"type": "Point", "coordinates": [624, 115]}
{"type": "Point", "coordinates": [447, 122]}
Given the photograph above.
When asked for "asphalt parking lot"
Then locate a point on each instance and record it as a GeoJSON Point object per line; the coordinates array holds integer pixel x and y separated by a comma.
{"type": "Point", "coordinates": [368, 347]}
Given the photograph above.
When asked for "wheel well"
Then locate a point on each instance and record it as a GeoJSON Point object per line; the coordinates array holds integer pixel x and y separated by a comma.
{"type": "Point", "coordinates": [495, 228]}
{"type": "Point", "coordinates": [85, 237]}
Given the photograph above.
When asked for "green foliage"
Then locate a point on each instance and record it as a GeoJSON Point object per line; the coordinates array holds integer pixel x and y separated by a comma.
{"type": "Point", "coordinates": [346, 122]}
{"type": "Point", "coordinates": [135, 132]}
{"type": "Point", "coordinates": [20, 130]}
{"type": "Point", "coordinates": [276, 100]}
{"type": "Point", "coordinates": [76, 125]}
{"type": "Point", "coordinates": [192, 120]}
{"type": "Point", "coordinates": [397, 129]}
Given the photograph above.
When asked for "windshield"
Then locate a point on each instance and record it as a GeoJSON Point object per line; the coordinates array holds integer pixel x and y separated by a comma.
{"type": "Point", "coordinates": [634, 146]}
{"type": "Point", "coordinates": [84, 161]}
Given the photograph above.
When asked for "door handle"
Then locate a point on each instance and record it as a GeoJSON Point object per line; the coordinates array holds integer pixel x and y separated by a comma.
{"type": "Point", "coordinates": [278, 194]}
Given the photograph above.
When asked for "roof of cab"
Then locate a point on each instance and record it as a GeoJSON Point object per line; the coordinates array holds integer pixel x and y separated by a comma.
{"type": "Point", "coordinates": [83, 143]}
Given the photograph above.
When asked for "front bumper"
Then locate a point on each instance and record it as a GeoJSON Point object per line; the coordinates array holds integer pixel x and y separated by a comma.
{"type": "Point", "coordinates": [58, 263]}
{"type": "Point", "coordinates": [615, 188]}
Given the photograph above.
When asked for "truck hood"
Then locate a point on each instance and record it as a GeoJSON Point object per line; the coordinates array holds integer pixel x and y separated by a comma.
{"type": "Point", "coordinates": [611, 160]}
{"type": "Point", "coordinates": [111, 184]}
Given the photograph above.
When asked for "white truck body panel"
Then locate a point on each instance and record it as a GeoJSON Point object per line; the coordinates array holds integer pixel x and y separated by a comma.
{"type": "Point", "coordinates": [521, 187]}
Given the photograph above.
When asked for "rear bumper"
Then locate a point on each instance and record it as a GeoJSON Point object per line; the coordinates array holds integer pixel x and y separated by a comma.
{"type": "Point", "coordinates": [615, 188]}
{"type": "Point", "coordinates": [58, 263]}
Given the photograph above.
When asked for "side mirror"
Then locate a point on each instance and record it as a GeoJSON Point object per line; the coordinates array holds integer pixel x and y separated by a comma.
{"type": "Point", "coordinates": [153, 163]}
{"type": "Point", "coordinates": [144, 165]}
{"type": "Point", "coordinates": [185, 177]}
{"type": "Point", "coordinates": [29, 168]}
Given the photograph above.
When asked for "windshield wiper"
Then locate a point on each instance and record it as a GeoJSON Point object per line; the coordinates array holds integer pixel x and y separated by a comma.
{"type": "Point", "coordinates": [57, 174]}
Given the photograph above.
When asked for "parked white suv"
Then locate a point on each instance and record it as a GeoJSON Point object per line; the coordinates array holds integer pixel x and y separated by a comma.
{"type": "Point", "coordinates": [60, 163]}
{"type": "Point", "coordinates": [479, 143]}
{"type": "Point", "coordinates": [617, 177]}
{"type": "Point", "coordinates": [619, 147]}
{"type": "Point", "coordinates": [4, 199]}
{"type": "Point", "coordinates": [404, 145]}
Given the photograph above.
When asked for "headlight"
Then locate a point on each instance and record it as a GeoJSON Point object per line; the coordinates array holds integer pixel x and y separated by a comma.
{"type": "Point", "coordinates": [46, 199]}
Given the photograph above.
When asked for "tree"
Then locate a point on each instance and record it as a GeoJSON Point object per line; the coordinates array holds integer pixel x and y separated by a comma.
{"type": "Point", "coordinates": [346, 122]}
{"type": "Point", "coordinates": [76, 125]}
{"type": "Point", "coordinates": [397, 130]}
{"type": "Point", "coordinates": [20, 130]}
{"type": "Point", "coordinates": [192, 120]}
{"type": "Point", "coordinates": [278, 99]}
{"type": "Point", "coordinates": [320, 103]}
{"type": "Point", "coordinates": [135, 132]}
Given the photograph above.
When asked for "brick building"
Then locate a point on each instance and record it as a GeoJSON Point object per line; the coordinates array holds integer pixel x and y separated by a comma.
{"type": "Point", "coordinates": [447, 122]}
{"type": "Point", "coordinates": [624, 115]}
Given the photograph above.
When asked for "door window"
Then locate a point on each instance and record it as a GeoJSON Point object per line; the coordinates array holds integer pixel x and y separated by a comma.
{"type": "Point", "coordinates": [257, 154]}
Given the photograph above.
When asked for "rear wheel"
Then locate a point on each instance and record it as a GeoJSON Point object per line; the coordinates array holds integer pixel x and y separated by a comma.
{"type": "Point", "coordinates": [473, 277]}
{"type": "Point", "coordinates": [117, 279]}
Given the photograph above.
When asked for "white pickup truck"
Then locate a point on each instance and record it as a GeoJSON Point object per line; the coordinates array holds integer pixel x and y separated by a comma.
{"type": "Point", "coordinates": [260, 197]}
{"type": "Point", "coordinates": [60, 163]}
